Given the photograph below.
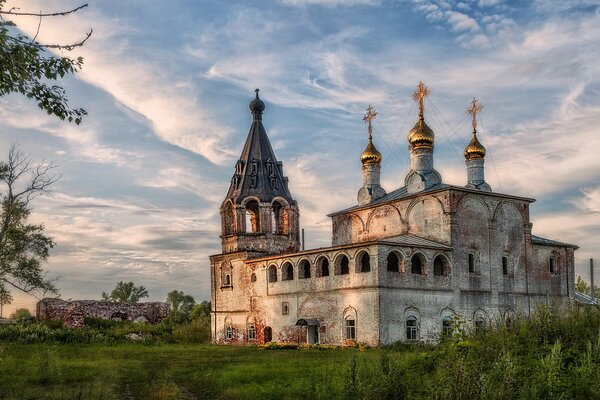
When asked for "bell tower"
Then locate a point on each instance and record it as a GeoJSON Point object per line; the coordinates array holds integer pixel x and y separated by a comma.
{"type": "Point", "coordinates": [259, 213]}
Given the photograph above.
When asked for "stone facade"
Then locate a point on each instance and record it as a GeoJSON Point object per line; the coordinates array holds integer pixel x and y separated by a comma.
{"type": "Point", "coordinates": [74, 312]}
{"type": "Point", "coordinates": [402, 266]}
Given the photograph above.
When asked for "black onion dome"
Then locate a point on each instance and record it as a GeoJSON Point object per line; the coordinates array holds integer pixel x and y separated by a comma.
{"type": "Point", "coordinates": [257, 105]}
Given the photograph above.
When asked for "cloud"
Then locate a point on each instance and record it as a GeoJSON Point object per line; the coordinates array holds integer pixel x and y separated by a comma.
{"type": "Point", "coordinates": [329, 3]}
{"type": "Point", "coordinates": [147, 85]}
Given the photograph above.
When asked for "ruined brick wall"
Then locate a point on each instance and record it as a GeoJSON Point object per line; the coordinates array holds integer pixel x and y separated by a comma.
{"type": "Point", "coordinates": [74, 312]}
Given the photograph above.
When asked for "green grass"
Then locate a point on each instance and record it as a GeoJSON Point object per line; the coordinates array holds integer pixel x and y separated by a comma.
{"type": "Point", "coordinates": [547, 356]}
{"type": "Point", "coordinates": [169, 371]}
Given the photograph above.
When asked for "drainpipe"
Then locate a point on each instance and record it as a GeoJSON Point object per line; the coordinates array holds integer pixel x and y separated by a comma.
{"type": "Point", "coordinates": [592, 278]}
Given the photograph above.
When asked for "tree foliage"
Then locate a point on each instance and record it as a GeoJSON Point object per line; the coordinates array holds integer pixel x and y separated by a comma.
{"type": "Point", "coordinates": [23, 246]}
{"type": "Point", "coordinates": [21, 314]}
{"type": "Point", "coordinates": [180, 302]}
{"type": "Point", "coordinates": [181, 305]}
{"type": "Point", "coordinates": [5, 298]}
{"type": "Point", "coordinates": [125, 292]}
{"type": "Point", "coordinates": [28, 67]}
{"type": "Point", "coordinates": [200, 311]}
{"type": "Point", "coordinates": [582, 287]}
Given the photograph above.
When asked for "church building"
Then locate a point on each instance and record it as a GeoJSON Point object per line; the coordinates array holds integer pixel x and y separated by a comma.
{"type": "Point", "coordinates": [403, 265]}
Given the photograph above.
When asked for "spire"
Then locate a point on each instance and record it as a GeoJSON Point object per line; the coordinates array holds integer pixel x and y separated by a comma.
{"type": "Point", "coordinates": [257, 172]}
{"type": "Point", "coordinates": [370, 155]}
{"type": "Point", "coordinates": [421, 135]}
{"type": "Point", "coordinates": [475, 153]}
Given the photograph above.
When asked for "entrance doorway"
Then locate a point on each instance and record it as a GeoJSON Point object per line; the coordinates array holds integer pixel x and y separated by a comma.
{"type": "Point", "coordinates": [312, 334]}
{"type": "Point", "coordinates": [312, 329]}
{"type": "Point", "coordinates": [268, 334]}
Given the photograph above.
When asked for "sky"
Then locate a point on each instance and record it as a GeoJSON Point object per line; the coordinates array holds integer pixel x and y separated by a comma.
{"type": "Point", "coordinates": [167, 86]}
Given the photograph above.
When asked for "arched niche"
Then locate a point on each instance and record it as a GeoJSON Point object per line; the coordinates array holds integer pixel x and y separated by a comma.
{"type": "Point", "coordinates": [384, 221]}
{"type": "Point", "coordinates": [347, 229]}
{"type": "Point", "coordinates": [426, 218]}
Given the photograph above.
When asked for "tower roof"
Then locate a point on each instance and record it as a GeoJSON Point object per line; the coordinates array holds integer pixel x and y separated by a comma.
{"type": "Point", "coordinates": [257, 172]}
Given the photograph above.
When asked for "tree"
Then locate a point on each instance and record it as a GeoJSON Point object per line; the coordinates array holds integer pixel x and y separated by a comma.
{"type": "Point", "coordinates": [5, 298]}
{"type": "Point", "coordinates": [21, 314]}
{"type": "Point", "coordinates": [27, 66]}
{"type": "Point", "coordinates": [201, 310]}
{"type": "Point", "coordinates": [180, 302]}
{"type": "Point", "coordinates": [181, 305]}
{"type": "Point", "coordinates": [125, 292]}
{"type": "Point", "coordinates": [23, 246]}
{"type": "Point", "coordinates": [582, 287]}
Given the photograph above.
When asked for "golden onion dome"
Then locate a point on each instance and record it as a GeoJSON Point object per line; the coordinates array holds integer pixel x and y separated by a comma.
{"type": "Point", "coordinates": [421, 135]}
{"type": "Point", "coordinates": [474, 149]}
{"type": "Point", "coordinates": [371, 155]}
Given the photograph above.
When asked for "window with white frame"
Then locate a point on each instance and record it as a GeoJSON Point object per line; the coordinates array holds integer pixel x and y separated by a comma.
{"type": "Point", "coordinates": [229, 332]}
{"type": "Point", "coordinates": [411, 328]}
{"type": "Point", "coordinates": [350, 328]}
{"type": "Point", "coordinates": [251, 331]}
{"type": "Point", "coordinates": [447, 326]}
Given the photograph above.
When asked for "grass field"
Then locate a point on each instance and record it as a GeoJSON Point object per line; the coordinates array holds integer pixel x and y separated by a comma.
{"type": "Point", "coordinates": [546, 356]}
{"type": "Point", "coordinates": [171, 372]}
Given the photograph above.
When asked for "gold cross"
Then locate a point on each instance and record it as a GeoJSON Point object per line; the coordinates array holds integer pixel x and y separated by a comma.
{"type": "Point", "coordinates": [475, 108]}
{"type": "Point", "coordinates": [368, 117]}
{"type": "Point", "coordinates": [419, 94]}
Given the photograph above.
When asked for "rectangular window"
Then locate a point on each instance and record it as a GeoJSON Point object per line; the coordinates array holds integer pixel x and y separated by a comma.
{"type": "Point", "coordinates": [552, 270]}
{"type": "Point", "coordinates": [350, 329]}
{"type": "Point", "coordinates": [251, 332]}
{"type": "Point", "coordinates": [471, 263]}
{"type": "Point", "coordinates": [411, 328]}
{"type": "Point", "coordinates": [504, 266]}
{"type": "Point", "coordinates": [285, 308]}
{"type": "Point", "coordinates": [229, 333]}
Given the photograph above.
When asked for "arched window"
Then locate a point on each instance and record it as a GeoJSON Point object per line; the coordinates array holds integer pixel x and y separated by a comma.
{"type": "Point", "coordinates": [504, 265]}
{"type": "Point", "coordinates": [287, 272]}
{"type": "Point", "coordinates": [228, 329]}
{"type": "Point", "coordinates": [253, 277]}
{"type": "Point", "coordinates": [323, 267]}
{"type": "Point", "coordinates": [304, 270]}
{"type": "Point", "coordinates": [447, 326]}
{"type": "Point", "coordinates": [350, 328]}
{"type": "Point", "coordinates": [416, 265]}
{"type": "Point", "coordinates": [411, 328]}
{"type": "Point", "coordinates": [471, 263]}
{"type": "Point", "coordinates": [252, 217]}
{"type": "Point", "coordinates": [393, 262]}
{"type": "Point", "coordinates": [364, 262]}
{"type": "Point", "coordinates": [227, 280]}
{"type": "Point", "coordinates": [440, 266]}
{"type": "Point", "coordinates": [342, 265]}
{"type": "Point", "coordinates": [272, 274]}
